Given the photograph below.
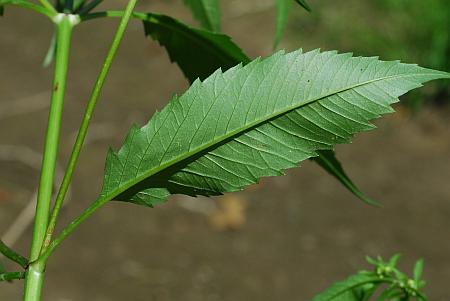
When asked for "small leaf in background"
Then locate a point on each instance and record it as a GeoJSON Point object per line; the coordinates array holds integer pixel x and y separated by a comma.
{"type": "Point", "coordinates": [397, 285]}
{"type": "Point", "coordinates": [303, 4]}
{"type": "Point", "coordinates": [391, 294]}
{"type": "Point", "coordinates": [197, 52]}
{"type": "Point", "coordinates": [328, 161]}
{"type": "Point", "coordinates": [2, 11]}
{"type": "Point", "coordinates": [283, 9]}
{"type": "Point", "coordinates": [51, 52]}
{"type": "Point", "coordinates": [364, 292]}
{"type": "Point", "coordinates": [394, 260]}
{"type": "Point", "coordinates": [418, 270]}
{"type": "Point", "coordinates": [254, 121]}
{"type": "Point", "coordinates": [343, 290]}
{"type": "Point", "coordinates": [77, 4]}
{"type": "Point", "coordinates": [371, 261]}
{"type": "Point", "coordinates": [207, 12]}
{"type": "Point", "coordinates": [86, 8]}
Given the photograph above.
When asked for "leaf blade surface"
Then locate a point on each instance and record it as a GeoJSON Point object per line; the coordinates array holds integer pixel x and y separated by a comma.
{"type": "Point", "coordinates": [343, 290]}
{"type": "Point", "coordinates": [197, 52]}
{"type": "Point", "coordinates": [254, 121]}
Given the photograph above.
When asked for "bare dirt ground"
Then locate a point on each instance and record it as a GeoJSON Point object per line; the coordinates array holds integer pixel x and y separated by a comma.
{"type": "Point", "coordinates": [301, 232]}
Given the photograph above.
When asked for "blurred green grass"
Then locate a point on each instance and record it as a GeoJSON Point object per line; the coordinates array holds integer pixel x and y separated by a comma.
{"type": "Point", "coordinates": [414, 31]}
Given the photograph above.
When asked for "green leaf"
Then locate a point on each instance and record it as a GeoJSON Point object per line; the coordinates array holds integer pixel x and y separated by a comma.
{"type": "Point", "coordinates": [359, 293]}
{"type": "Point", "coordinates": [303, 4]}
{"type": "Point", "coordinates": [283, 8]}
{"type": "Point", "coordinates": [364, 292]}
{"type": "Point", "coordinates": [197, 52]}
{"type": "Point", "coordinates": [327, 159]}
{"type": "Point", "coordinates": [51, 52]}
{"type": "Point", "coordinates": [2, 11]}
{"type": "Point", "coordinates": [207, 12]}
{"type": "Point", "coordinates": [390, 293]}
{"type": "Point", "coordinates": [78, 4]}
{"type": "Point", "coordinates": [200, 53]}
{"type": "Point", "coordinates": [255, 121]}
{"type": "Point", "coordinates": [344, 289]}
{"type": "Point", "coordinates": [394, 260]}
{"type": "Point", "coordinates": [418, 270]}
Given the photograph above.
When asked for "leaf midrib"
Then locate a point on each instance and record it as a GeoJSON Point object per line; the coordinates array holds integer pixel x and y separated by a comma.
{"type": "Point", "coordinates": [126, 185]}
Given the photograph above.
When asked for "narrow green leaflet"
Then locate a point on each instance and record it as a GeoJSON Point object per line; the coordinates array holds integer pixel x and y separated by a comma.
{"type": "Point", "coordinates": [327, 159]}
{"type": "Point", "coordinates": [344, 290]}
{"type": "Point", "coordinates": [254, 121]}
{"type": "Point", "coordinates": [418, 270]}
{"type": "Point", "coordinates": [283, 8]}
{"type": "Point", "coordinates": [2, 10]}
{"type": "Point", "coordinates": [51, 52]}
{"type": "Point", "coordinates": [207, 12]}
{"type": "Point", "coordinates": [303, 4]}
{"type": "Point", "coordinates": [196, 51]}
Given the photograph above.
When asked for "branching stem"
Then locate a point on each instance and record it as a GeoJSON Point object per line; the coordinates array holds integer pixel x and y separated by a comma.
{"type": "Point", "coordinates": [47, 11]}
{"type": "Point", "coordinates": [86, 121]}
{"type": "Point", "coordinates": [47, 5]}
{"type": "Point", "coordinates": [35, 273]}
{"type": "Point", "coordinates": [13, 255]}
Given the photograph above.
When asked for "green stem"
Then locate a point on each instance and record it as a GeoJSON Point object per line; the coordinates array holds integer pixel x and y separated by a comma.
{"type": "Point", "coordinates": [12, 276]}
{"type": "Point", "coordinates": [47, 5]}
{"type": "Point", "coordinates": [72, 226]}
{"type": "Point", "coordinates": [112, 13]}
{"type": "Point", "coordinates": [86, 121]}
{"type": "Point", "coordinates": [14, 256]}
{"type": "Point", "coordinates": [35, 273]}
{"type": "Point", "coordinates": [29, 5]}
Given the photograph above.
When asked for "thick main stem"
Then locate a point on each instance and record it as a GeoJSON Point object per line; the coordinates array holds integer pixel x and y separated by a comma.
{"type": "Point", "coordinates": [35, 273]}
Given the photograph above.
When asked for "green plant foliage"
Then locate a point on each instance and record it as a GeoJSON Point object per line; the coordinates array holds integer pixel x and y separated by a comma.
{"type": "Point", "coordinates": [2, 11]}
{"type": "Point", "coordinates": [254, 121]}
{"type": "Point", "coordinates": [328, 161]}
{"type": "Point", "coordinates": [303, 4]}
{"type": "Point", "coordinates": [344, 290]}
{"type": "Point", "coordinates": [194, 66]}
{"type": "Point", "coordinates": [283, 8]}
{"type": "Point", "coordinates": [196, 51]}
{"type": "Point", "coordinates": [363, 285]}
{"type": "Point", "coordinates": [207, 12]}
{"type": "Point", "coordinates": [418, 270]}
{"type": "Point", "coordinates": [85, 7]}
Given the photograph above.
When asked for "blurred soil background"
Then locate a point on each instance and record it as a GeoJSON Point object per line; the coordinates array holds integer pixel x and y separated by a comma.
{"type": "Point", "coordinates": [286, 239]}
